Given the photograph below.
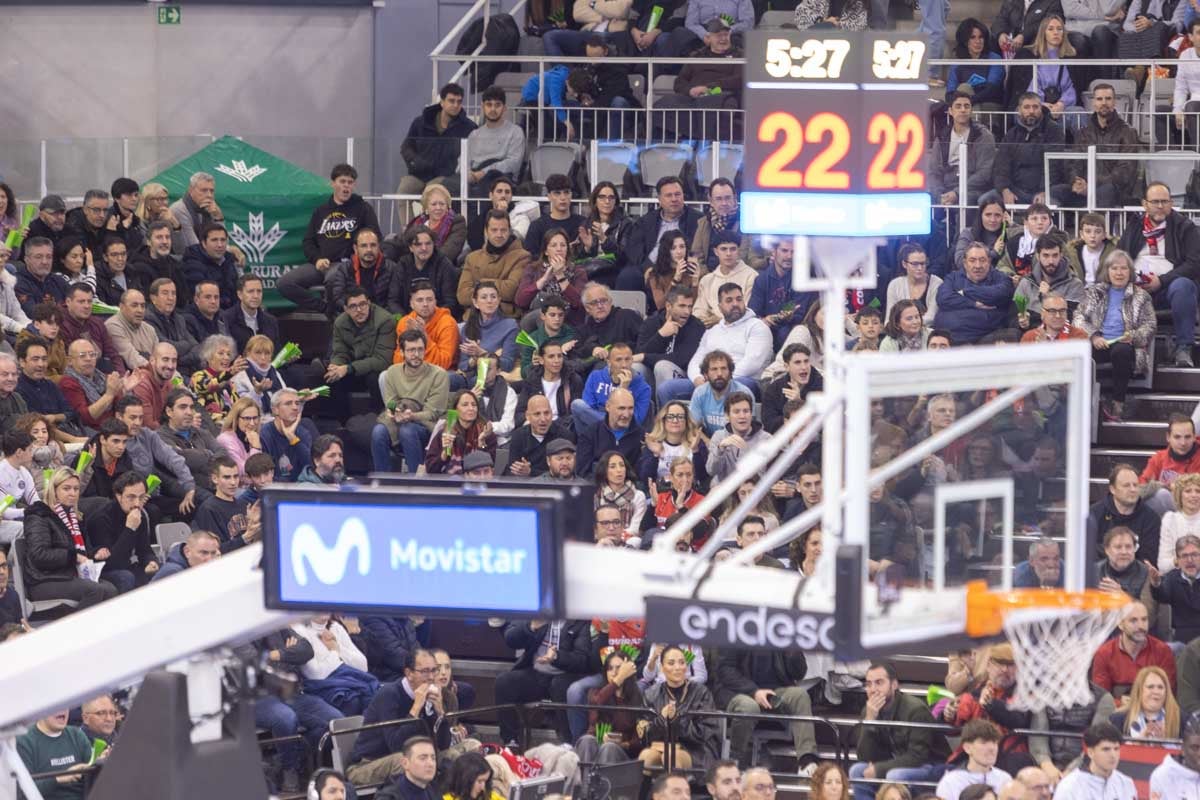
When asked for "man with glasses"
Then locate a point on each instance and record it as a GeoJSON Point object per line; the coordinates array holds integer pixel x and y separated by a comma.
{"type": "Point", "coordinates": [100, 716]}
{"type": "Point", "coordinates": [1165, 246]}
{"type": "Point", "coordinates": [1055, 325]}
{"type": "Point", "coordinates": [608, 527]}
{"type": "Point", "coordinates": [993, 702]}
{"type": "Point", "coordinates": [415, 395]}
{"type": "Point", "coordinates": [49, 224]}
{"type": "Point", "coordinates": [35, 282]}
{"type": "Point", "coordinates": [1176, 588]}
{"type": "Point", "coordinates": [604, 326]}
{"type": "Point", "coordinates": [95, 221]}
{"type": "Point", "coordinates": [90, 392]}
{"type": "Point", "coordinates": [1050, 273]}
{"type": "Point", "coordinates": [363, 338]}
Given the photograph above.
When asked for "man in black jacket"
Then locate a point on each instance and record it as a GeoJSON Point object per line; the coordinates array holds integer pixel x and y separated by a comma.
{"type": "Point", "coordinates": [668, 339]}
{"type": "Point", "coordinates": [527, 448]}
{"type": "Point", "coordinates": [247, 317]}
{"type": "Point", "coordinates": [800, 379]}
{"type": "Point", "coordinates": [642, 246]}
{"type": "Point", "coordinates": [171, 325]}
{"type": "Point", "coordinates": [50, 223]}
{"type": "Point", "coordinates": [555, 655]}
{"type": "Point", "coordinates": [203, 316]}
{"type": "Point", "coordinates": [366, 268]}
{"type": "Point", "coordinates": [604, 325]}
{"type": "Point", "coordinates": [1165, 246]}
{"type": "Point", "coordinates": [1123, 506]}
{"type": "Point", "coordinates": [119, 535]}
{"type": "Point", "coordinates": [331, 230]}
{"type": "Point", "coordinates": [155, 260]}
{"type": "Point", "coordinates": [898, 754]}
{"type": "Point", "coordinates": [431, 148]}
{"type": "Point", "coordinates": [210, 260]}
{"type": "Point", "coordinates": [1019, 173]}
{"type": "Point", "coordinates": [752, 682]}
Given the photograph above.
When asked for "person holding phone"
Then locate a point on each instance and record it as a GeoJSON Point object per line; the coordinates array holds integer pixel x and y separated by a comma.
{"type": "Point", "coordinates": [612, 735]}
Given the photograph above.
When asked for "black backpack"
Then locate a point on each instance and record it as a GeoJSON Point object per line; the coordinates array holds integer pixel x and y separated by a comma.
{"type": "Point", "coordinates": [503, 39]}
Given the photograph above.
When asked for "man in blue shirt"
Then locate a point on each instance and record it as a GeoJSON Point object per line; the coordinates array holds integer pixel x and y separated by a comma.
{"type": "Point", "coordinates": [708, 400]}
{"type": "Point", "coordinates": [772, 297]}
{"type": "Point", "coordinates": [618, 374]}
{"type": "Point", "coordinates": [284, 440]}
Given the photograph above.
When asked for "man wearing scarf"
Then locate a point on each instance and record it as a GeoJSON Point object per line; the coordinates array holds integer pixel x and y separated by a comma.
{"type": "Point", "coordinates": [90, 392]}
{"type": "Point", "coordinates": [1165, 247]}
{"type": "Point", "coordinates": [723, 215]}
{"type": "Point", "coordinates": [366, 267]}
{"type": "Point", "coordinates": [502, 260]}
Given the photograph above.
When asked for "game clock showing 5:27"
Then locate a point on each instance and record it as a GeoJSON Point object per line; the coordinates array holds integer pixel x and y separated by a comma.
{"type": "Point", "coordinates": [836, 134]}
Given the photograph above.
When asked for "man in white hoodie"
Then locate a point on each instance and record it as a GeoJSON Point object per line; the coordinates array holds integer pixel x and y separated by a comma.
{"type": "Point", "coordinates": [1178, 777]}
{"type": "Point", "coordinates": [1097, 778]}
{"type": "Point", "coordinates": [741, 334]}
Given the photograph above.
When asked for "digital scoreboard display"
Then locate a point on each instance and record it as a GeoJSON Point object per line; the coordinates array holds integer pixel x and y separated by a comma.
{"type": "Point", "coordinates": [836, 134]}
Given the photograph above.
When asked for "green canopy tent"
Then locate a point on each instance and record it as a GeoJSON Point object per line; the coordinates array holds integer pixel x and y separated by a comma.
{"type": "Point", "coordinates": [267, 203]}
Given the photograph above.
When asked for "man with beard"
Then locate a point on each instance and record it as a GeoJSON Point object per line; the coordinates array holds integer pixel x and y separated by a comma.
{"type": "Point", "coordinates": [898, 754]}
{"type": "Point", "coordinates": [707, 406]}
{"type": "Point", "coordinates": [1179, 774]}
{"type": "Point", "coordinates": [668, 339]}
{"type": "Point", "coordinates": [1108, 133]}
{"type": "Point", "coordinates": [1019, 172]}
{"type": "Point", "coordinates": [184, 433]}
{"type": "Point", "coordinates": [1051, 274]}
{"type": "Point", "coordinates": [366, 268]}
{"type": "Point", "coordinates": [560, 461]}
{"type": "Point", "coordinates": [154, 381]}
{"type": "Point", "coordinates": [496, 148]}
{"type": "Point", "coordinates": [993, 702]}
{"type": "Point", "coordinates": [363, 337]}
{"type": "Point", "coordinates": [327, 464]}
{"type": "Point", "coordinates": [740, 334]}
{"type": "Point", "coordinates": [772, 297]}
{"type": "Point", "coordinates": [502, 260]}
{"type": "Point", "coordinates": [332, 229]}
{"type": "Point", "coordinates": [724, 781]}
{"type": "Point", "coordinates": [154, 260]}
{"type": "Point", "coordinates": [1118, 661]}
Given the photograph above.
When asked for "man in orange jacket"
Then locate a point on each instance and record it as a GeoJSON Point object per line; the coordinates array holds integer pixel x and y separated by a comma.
{"type": "Point", "coordinates": [441, 331]}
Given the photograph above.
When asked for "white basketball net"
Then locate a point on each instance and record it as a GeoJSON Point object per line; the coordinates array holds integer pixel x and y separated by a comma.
{"type": "Point", "coordinates": [1053, 649]}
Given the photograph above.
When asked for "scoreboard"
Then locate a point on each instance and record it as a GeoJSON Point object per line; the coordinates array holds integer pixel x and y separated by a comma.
{"type": "Point", "coordinates": [836, 134]}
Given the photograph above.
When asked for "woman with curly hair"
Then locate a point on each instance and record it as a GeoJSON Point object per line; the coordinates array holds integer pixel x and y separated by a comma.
{"type": "Point", "coordinates": [213, 385]}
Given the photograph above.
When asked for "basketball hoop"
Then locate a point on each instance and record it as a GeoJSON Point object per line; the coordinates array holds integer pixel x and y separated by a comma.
{"type": "Point", "coordinates": [1053, 633]}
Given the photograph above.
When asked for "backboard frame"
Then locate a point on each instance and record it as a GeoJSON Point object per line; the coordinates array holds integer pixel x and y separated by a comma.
{"type": "Point", "coordinates": [875, 375]}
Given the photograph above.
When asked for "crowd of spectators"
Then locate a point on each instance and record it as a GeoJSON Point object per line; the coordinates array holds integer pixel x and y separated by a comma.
{"type": "Point", "coordinates": [509, 320]}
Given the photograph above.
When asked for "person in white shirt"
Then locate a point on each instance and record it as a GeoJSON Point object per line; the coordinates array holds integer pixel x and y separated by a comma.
{"type": "Point", "coordinates": [1097, 778]}
{"type": "Point", "coordinates": [337, 672]}
{"type": "Point", "coordinates": [1187, 86]}
{"type": "Point", "coordinates": [16, 480]}
{"type": "Point", "coordinates": [1178, 777]}
{"type": "Point", "coordinates": [1184, 521]}
{"type": "Point", "coordinates": [981, 743]}
{"type": "Point", "coordinates": [741, 334]}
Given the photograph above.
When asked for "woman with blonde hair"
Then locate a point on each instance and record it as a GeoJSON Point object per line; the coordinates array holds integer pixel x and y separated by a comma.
{"type": "Point", "coordinates": [1059, 87]}
{"type": "Point", "coordinates": [1183, 521]}
{"type": "Point", "coordinates": [1151, 711]}
{"type": "Point", "coordinates": [674, 435]}
{"type": "Point", "coordinates": [240, 432]}
{"type": "Point", "coordinates": [260, 380]}
{"type": "Point", "coordinates": [893, 791]}
{"type": "Point", "coordinates": [449, 229]}
{"type": "Point", "coordinates": [154, 205]}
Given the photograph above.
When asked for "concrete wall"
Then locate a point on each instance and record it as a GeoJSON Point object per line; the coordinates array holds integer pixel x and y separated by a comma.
{"type": "Point", "coordinates": [296, 81]}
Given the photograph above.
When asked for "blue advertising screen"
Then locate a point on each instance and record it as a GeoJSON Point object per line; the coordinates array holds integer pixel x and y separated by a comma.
{"type": "Point", "coordinates": [408, 554]}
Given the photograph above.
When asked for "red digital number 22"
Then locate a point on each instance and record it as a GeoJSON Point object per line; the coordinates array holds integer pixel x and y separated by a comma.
{"type": "Point", "coordinates": [775, 172]}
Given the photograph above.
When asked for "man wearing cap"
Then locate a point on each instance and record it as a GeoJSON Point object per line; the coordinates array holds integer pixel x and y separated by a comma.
{"type": "Point", "coordinates": [528, 448]}
{"type": "Point", "coordinates": [478, 464]}
{"type": "Point", "coordinates": [737, 16]}
{"type": "Point", "coordinates": [560, 461]}
{"type": "Point", "coordinates": [50, 222]}
{"type": "Point", "coordinates": [992, 702]}
{"type": "Point", "coordinates": [708, 85]}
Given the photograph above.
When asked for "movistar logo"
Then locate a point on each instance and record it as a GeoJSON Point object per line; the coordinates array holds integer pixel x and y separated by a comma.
{"type": "Point", "coordinates": [256, 242]}
{"type": "Point", "coordinates": [240, 172]}
{"type": "Point", "coordinates": [328, 564]}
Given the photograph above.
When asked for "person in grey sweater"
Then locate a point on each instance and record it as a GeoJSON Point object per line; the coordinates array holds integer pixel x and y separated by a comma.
{"type": "Point", "coordinates": [495, 148]}
{"type": "Point", "coordinates": [150, 454]}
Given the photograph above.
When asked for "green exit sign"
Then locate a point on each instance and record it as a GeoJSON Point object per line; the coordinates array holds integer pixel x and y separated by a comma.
{"type": "Point", "coordinates": [169, 15]}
